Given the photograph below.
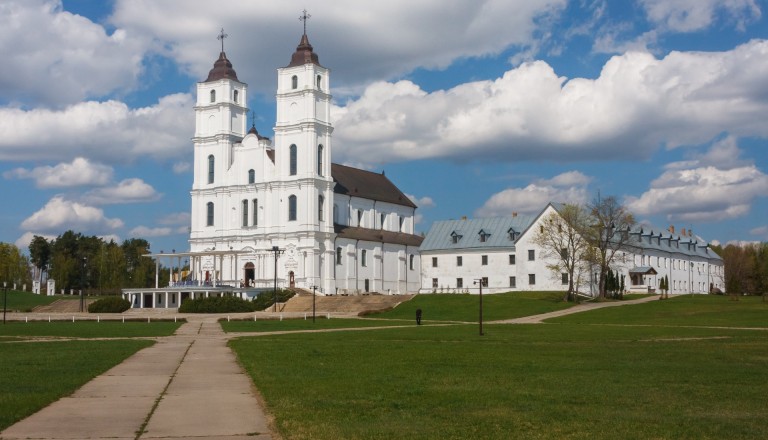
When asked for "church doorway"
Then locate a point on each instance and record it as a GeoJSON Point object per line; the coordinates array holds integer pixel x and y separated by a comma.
{"type": "Point", "coordinates": [291, 280]}
{"type": "Point", "coordinates": [250, 274]}
{"type": "Point", "coordinates": [148, 301]}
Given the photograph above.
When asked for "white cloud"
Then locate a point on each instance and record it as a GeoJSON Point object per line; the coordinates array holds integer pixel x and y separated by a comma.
{"type": "Point", "coordinates": [26, 238]}
{"type": "Point", "coordinates": [423, 202]}
{"type": "Point", "coordinates": [176, 219]}
{"type": "Point", "coordinates": [145, 232]}
{"type": "Point", "coordinates": [568, 187]}
{"type": "Point", "coordinates": [761, 231]}
{"type": "Point", "coordinates": [80, 172]}
{"type": "Point", "coordinates": [714, 187]}
{"type": "Point", "coordinates": [181, 167]}
{"type": "Point", "coordinates": [696, 15]}
{"type": "Point", "coordinates": [530, 113]}
{"type": "Point", "coordinates": [60, 214]}
{"type": "Point", "coordinates": [54, 57]}
{"type": "Point", "coordinates": [127, 191]}
{"type": "Point", "coordinates": [104, 131]}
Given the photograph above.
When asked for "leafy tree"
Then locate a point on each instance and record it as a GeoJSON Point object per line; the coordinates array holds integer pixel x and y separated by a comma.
{"type": "Point", "coordinates": [14, 266]}
{"type": "Point", "coordinates": [608, 234]}
{"type": "Point", "coordinates": [40, 254]}
{"type": "Point", "coordinates": [563, 244]}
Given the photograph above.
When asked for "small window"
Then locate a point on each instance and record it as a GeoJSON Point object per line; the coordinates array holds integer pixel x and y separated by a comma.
{"type": "Point", "coordinates": [251, 176]}
{"type": "Point", "coordinates": [484, 281]}
{"type": "Point", "coordinates": [512, 259]}
{"type": "Point", "coordinates": [484, 260]}
{"type": "Point", "coordinates": [319, 82]}
{"type": "Point", "coordinates": [459, 283]}
{"type": "Point", "coordinates": [293, 159]}
{"type": "Point", "coordinates": [459, 261]}
{"type": "Point", "coordinates": [410, 262]}
{"type": "Point", "coordinates": [235, 95]}
{"type": "Point", "coordinates": [338, 255]}
{"type": "Point", "coordinates": [211, 168]}
{"type": "Point", "coordinates": [512, 282]}
{"type": "Point", "coordinates": [209, 214]}
{"type": "Point", "coordinates": [564, 278]}
{"type": "Point", "coordinates": [434, 261]}
{"type": "Point", "coordinates": [335, 213]}
{"type": "Point", "coordinates": [245, 213]}
{"type": "Point", "coordinates": [531, 255]}
{"type": "Point", "coordinates": [531, 279]}
{"type": "Point", "coordinates": [255, 203]}
{"type": "Point", "coordinates": [382, 219]}
{"type": "Point", "coordinates": [292, 208]}
{"type": "Point", "coordinates": [319, 160]}
{"type": "Point", "coordinates": [213, 95]}
{"type": "Point", "coordinates": [434, 283]}
{"type": "Point", "coordinates": [294, 82]}
{"type": "Point", "coordinates": [564, 254]}
{"type": "Point", "coordinates": [402, 222]}
{"type": "Point", "coordinates": [363, 258]}
{"type": "Point", "coordinates": [320, 207]}
{"type": "Point", "coordinates": [360, 218]}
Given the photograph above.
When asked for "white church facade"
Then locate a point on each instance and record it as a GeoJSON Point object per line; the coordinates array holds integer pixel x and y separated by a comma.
{"type": "Point", "coordinates": [500, 253]}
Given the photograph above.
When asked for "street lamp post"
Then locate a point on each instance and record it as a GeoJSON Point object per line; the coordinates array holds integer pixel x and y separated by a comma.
{"type": "Point", "coordinates": [479, 282]}
{"type": "Point", "coordinates": [314, 294]}
{"type": "Point", "coordinates": [277, 251]}
{"type": "Point", "coordinates": [82, 287]}
{"type": "Point", "coordinates": [5, 299]}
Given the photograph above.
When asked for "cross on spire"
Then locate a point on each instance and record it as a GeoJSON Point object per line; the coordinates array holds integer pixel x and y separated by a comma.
{"type": "Point", "coordinates": [221, 37]}
{"type": "Point", "coordinates": [304, 17]}
{"type": "Point", "coordinates": [253, 119]}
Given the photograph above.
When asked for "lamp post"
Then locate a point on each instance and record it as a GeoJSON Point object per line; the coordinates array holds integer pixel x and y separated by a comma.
{"type": "Point", "coordinates": [5, 299]}
{"type": "Point", "coordinates": [479, 282]}
{"type": "Point", "coordinates": [314, 294]}
{"type": "Point", "coordinates": [82, 286]}
{"type": "Point", "coordinates": [277, 251]}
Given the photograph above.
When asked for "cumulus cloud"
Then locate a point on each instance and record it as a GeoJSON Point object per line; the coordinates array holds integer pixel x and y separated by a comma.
{"type": "Point", "coordinates": [105, 131]}
{"type": "Point", "coordinates": [80, 172]}
{"type": "Point", "coordinates": [696, 15]}
{"type": "Point", "coordinates": [26, 238]}
{"type": "Point", "coordinates": [59, 215]}
{"type": "Point", "coordinates": [760, 231]}
{"type": "Point", "coordinates": [55, 57]}
{"type": "Point", "coordinates": [568, 187]}
{"type": "Point", "coordinates": [704, 189]}
{"type": "Point", "coordinates": [422, 202]}
{"type": "Point", "coordinates": [637, 103]}
{"type": "Point", "coordinates": [132, 190]}
{"type": "Point", "coordinates": [144, 232]}
{"type": "Point", "coordinates": [181, 167]}
{"type": "Point", "coordinates": [176, 219]}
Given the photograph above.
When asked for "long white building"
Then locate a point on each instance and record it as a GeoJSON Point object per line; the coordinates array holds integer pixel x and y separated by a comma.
{"type": "Point", "coordinates": [457, 255]}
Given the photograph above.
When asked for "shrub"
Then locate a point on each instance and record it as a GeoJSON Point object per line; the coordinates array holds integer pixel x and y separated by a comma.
{"type": "Point", "coordinates": [112, 304]}
{"type": "Point", "coordinates": [267, 299]}
{"type": "Point", "coordinates": [217, 304]}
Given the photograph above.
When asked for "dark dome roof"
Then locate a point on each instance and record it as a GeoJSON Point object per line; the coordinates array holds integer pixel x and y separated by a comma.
{"type": "Point", "coordinates": [303, 54]}
{"type": "Point", "coordinates": [222, 69]}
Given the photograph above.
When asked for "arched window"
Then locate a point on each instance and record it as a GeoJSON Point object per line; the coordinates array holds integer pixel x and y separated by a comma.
{"type": "Point", "coordinates": [293, 160]}
{"type": "Point", "coordinates": [213, 95]}
{"type": "Point", "coordinates": [363, 258]}
{"type": "Point", "coordinates": [251, 176]}
{"type": "Point", "coordinates": [291, 208]}
{"type": "Point", "coordinates": [211, 163]}
{"type": "Point", "coordinates": [319, 82]}
{"type": "Point", "coordinates": [295, 82]}
{"type": "Point", "coordinates": [320, 206]}
{"type": "Point", "coordinates": [245, 213]}
{"type": "Point", "coordinates": [320, 160]}
{"type": "Point", "coordinates": [235, 95]}
{"type": "Point", "coordinates": [338, 255]}
{"type": "Point", "coordinates": [410, 261]}
{"type": "Point", "coordinates": [255, 212]}
{"type": "Point", "coordinates": [209, 214]}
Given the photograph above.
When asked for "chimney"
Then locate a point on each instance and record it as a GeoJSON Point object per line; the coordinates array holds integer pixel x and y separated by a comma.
{"type": "Point", "coordinates": [682, 232]}
{"type": "Point", "coordinates": [463, 217]}
{"type": "Point", "coordinates": [671, 229]}
{"type": "Point", "coordinates": [514, 214]}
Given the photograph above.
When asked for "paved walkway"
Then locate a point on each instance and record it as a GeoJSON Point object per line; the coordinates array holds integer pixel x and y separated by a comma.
{"type": "Point", "coordinates": [185, 386]}
{"type": "Point", "coordinates": [538, 319]}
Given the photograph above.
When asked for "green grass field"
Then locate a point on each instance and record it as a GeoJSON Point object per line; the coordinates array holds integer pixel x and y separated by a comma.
{"type": "Point", "coordinates": [25, 301]}
{"type": "Point", "coordinates": [568, 380]}
{"type": "Point", "coordinates": [88, 329]}
{"type": "Point", "coordinates": [35, 374]}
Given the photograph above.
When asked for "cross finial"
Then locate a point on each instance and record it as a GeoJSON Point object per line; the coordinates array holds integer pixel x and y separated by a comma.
{"type": "Point", "coordinates": [221, 37]}
{"type": "Point", "coordinates": [304, 17]}
{"type": "Point", "coordinates": [253, 119]}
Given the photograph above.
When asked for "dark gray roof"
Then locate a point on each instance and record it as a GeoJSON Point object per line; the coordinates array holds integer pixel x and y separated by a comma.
{"type": "Point", "coordinates": [368, 185]}
{"type": "Point", "coordinates": [304, 54]}
{"type": "Point", "coordinates": [377, 235]}
{"type": "Point", "coordinates": [222, 69]}
{"type": "Point", "coordinates": [440, 235]}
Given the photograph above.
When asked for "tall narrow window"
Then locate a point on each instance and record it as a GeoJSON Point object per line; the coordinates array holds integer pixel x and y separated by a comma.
{"type": "Point", "coordinates": [335, 213]}
{"type": "Point", "coordinates": [213, 95]}
{"type": "Point", "coordinates": [319, 82]}
{"type": "Point", "coordinates": [459, 261]}
{"type": "Point", "coordinates": [235, 95]}
{"type": "Point", "coordinates": [255, 203]}
{"type": "Point", "coordinates": [410, 261]}
{"type": "Point", "coordinates": [382, 219]}
{"type": "Point", "coordinates": [295, 82]}
{"type": "Point", "coordinates": [512, 282]}
{"type": "Point", "coordinates": [251, 176]}
{"type": "Point", "coordinates": [400, 228]}
{"type": "Point", "coordinates": [211, 164]}
{"type": "Point", "coordinates": [338, 256]}
{"type": "Point", "coordinates": [363, 258]}
{"type": "Point", "coordinates": [291, 208]}
{"type": "Point", "coordinates": [209, 214]}
{"type": "Point", "coordinates": [320, 207]}
{"type": "Point", "coordinates": [320, 160]}
{"type": "Point", "coordinates": [434, 261]}
{"type": "Point", "coordinates": [360, 218]}
{"type": "Point", "coordinates": [293, 159]}
{"type": "Point", "coordinates": [512, 259]}
{"type": "Point", "coordinates": [531, 255]}
{"type": "Point", "coordinates": [245, 213]}
{"type": "Point", "coordinates": [484, 260]}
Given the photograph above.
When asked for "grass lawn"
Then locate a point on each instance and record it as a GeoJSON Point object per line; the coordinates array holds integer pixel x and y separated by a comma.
{"type": "Point", "coordinates": [274, 325]}
{"type": "Point", "coordinates": [88, 329]}
{"type": "Point", "coordinates": [25, 301]}
{"type": "Point", "coordinates": [36, 374]}
{"type": "Point", "coordinates": [697, 310]}
{"type": "Point", "coordinates": [465, 307]}
{"type": "Point", "coordinates": [519, 381]}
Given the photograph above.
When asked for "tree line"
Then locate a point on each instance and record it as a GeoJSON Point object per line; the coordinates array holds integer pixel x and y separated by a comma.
{"type": "Point", "coordinates": [746, 268]}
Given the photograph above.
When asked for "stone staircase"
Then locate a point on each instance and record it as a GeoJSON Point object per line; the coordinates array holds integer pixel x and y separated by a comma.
{"type": "Point", "coordinates": [63, 306]}
{"type": "Point", "coordinates": [302, 302]}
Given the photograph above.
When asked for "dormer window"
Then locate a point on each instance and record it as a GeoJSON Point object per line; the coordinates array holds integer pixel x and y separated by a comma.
{"type": "Point", "coordinates": [455, 237]}
{"type": "Point", "coordinates": [512, 234]}
{"type": "Point", "coordinates": [483, 236]}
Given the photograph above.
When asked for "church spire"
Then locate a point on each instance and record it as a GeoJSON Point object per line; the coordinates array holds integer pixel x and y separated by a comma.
{"type": "Point", "coordinates": [304, 53]}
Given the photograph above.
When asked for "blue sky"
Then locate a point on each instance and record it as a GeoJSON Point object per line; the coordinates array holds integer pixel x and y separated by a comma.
{"type": "Point", "coordinates": [473, 107]}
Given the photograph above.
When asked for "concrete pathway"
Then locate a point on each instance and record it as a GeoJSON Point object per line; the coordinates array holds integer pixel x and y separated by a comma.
{"type": "Point", "coordinates": [185, 386]}
{"type": "Point", "coordinates": [584, 307]}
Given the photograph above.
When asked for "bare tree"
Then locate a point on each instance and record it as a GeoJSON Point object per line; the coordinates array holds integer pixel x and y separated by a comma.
{"type": "Point", "coordinates": [608, 234]}
{"type": "Point", "coordinates": [562, 243]}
